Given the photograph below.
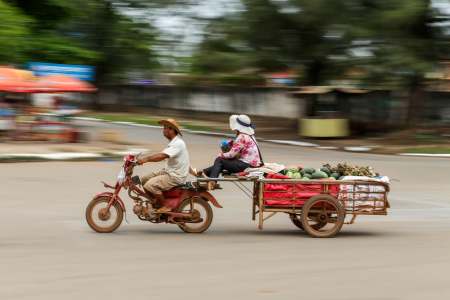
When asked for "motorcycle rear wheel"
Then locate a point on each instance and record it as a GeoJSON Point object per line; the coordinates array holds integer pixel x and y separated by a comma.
{"type": "Point", "coordinates": [202, 209]}
{"type": "Point", "coordinates": [99, 219]}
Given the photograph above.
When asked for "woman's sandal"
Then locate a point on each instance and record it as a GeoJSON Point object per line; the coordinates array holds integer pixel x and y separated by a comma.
{"type": "Point", "coordinates": [212, 185]}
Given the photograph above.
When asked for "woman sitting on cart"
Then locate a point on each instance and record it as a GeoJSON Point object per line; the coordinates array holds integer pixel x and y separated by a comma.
{"type": "Point", "coordinates": [244, 152]}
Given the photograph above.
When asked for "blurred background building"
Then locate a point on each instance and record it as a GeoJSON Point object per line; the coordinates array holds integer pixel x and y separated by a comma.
{"type": "Point", "coordinates": [380, 65]}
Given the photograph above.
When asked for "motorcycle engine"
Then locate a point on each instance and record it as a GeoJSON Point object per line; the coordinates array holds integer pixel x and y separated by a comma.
{"type": "Point", "coordinates": [144, 210]}
{"type": "Point", "coordinates": [138, 208]}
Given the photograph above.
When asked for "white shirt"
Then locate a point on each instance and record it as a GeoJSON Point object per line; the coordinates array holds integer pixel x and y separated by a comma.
{"type": "Point", "coordinates": [178, 164]}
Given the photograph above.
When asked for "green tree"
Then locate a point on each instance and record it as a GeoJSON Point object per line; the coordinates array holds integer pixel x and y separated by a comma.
{"type": "Point", "coordinates": [324, 38]}
{"type": "Point", "coordinates": [275, 35]}
{"type": "Point", "coordinates": [122, 44]}
{"type": "Point", "coordinates": [47, 39]}
{"type": "Point", "coordinates": [14, 34]}
{"type": "Point", "coordinates": [408, 42]}
{"type": "Point", "coordinates": [394, 42]}
{"type": "Point", "coordinates": [81, 32]}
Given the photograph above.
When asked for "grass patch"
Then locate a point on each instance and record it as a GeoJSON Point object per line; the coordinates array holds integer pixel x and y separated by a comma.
{"type": "Point", "coordinates": [142, 119]}
{"type": "Point", "coordinates": [24, 159]}
{"type": "Point", "coordinates": [428, 150]}
{"type": "Point", "coordinates": [197, 127]}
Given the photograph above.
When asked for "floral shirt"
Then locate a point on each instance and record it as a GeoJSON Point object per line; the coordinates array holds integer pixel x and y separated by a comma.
{"type": "Point", "coordinates": [245, 148]}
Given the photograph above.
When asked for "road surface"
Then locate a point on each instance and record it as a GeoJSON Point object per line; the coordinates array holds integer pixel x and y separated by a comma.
{"type": "Point", "coordinates": [47, 251]}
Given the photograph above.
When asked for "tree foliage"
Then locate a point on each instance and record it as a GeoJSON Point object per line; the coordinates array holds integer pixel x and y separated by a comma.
{"type": "Point", "coordinates": [393, 41]}
{"type": "Point", "coordinates": [390, 42]}
{"type": "Point", "coordinates": [78, 32]}
{"type": "Point", "coordinates": [14, 34]}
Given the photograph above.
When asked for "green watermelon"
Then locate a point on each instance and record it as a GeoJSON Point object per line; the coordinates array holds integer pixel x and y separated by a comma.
{"type": "Point", "coordinates": [335, 175]}
{"type": "Point", "coordinates": [309, 176]}
{"type": "Point", "coordinates": [325, 170]}
{"type": "Point", "coordinates": [308, 170]}
{"type": "Point", "coordinates": [319, 174]}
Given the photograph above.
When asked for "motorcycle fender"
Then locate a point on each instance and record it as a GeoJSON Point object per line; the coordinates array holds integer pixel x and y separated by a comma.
{"type": "Point", "coordinates": [210, 198]}
{"type": "Point", "coordinates": [109, 194]}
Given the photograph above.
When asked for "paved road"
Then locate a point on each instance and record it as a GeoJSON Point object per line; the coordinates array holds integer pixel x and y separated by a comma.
{"type": "Point", "coordinates": [48, 252]}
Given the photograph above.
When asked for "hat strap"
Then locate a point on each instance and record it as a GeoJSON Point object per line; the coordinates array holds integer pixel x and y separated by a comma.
{"type": "Point", "coordinates": [245, 124]}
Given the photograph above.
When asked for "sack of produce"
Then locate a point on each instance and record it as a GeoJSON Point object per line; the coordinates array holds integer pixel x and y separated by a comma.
{"type": "Point", "coordinates": [364, 196]}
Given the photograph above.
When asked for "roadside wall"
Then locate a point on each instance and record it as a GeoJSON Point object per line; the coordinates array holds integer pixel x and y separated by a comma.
{"type": "Point", "coordinates": [373, 111]}
{"type": "Point", "coordinates": [273, 102]}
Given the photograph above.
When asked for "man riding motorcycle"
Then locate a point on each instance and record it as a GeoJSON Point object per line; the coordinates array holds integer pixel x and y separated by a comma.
{"type": "Point", "coordinates": [177, 165]}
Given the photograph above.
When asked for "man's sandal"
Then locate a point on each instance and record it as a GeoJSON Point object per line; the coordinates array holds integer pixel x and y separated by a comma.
{"type": "Point", "coordinates": [163, 210]}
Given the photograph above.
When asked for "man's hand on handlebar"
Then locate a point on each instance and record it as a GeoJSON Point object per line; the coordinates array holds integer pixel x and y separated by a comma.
{"type": "Point", "coordinates": [138, 160]}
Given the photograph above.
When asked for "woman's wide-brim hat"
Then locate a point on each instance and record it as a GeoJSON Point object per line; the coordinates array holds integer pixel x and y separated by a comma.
{"type": "Point", "coordinates": [172, 124]}
{"type": "Point", "coordinates": [242, 123]}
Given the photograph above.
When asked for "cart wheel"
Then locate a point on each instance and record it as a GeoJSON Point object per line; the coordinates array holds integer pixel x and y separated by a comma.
{"type": "Point", "coordinates": [297, 221]}
{"type": "Point", "coordinates": [322, 216]}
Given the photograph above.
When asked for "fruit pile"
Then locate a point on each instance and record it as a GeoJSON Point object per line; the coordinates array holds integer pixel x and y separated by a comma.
{"type": "Point", "coordinates": [345, 169]}
{"type": "Point", "coordinates": [328, 172]}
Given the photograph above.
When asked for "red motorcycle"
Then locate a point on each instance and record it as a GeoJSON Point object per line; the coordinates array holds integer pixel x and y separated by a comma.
{"type": "Point", "coordinates": [189, 203]}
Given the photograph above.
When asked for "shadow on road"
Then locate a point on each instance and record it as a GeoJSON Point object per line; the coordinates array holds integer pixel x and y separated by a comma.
{"type": "Point", "coordinates": [225, 233]}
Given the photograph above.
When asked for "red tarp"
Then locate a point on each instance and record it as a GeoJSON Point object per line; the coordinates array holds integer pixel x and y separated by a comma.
{"type": "Point", "coordinates": [293, 194]}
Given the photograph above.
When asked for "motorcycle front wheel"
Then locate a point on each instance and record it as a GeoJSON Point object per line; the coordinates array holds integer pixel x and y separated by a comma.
{"type": "Point", "coordinates": [102, 220]}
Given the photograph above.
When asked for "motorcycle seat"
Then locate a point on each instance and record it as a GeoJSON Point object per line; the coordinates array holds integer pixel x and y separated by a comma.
{"type": "Point", "coordinates": [174, 192]}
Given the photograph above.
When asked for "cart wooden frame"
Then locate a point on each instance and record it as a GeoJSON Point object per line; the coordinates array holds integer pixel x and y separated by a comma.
{"type": "Point", "coordinates": [359, 198]}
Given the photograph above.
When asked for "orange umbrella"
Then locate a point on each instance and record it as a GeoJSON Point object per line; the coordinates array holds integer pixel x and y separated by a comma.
{"type": "Point", "coordinates": [63, 83]}
{"type": "Point", "coordinates": [16, 81]}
